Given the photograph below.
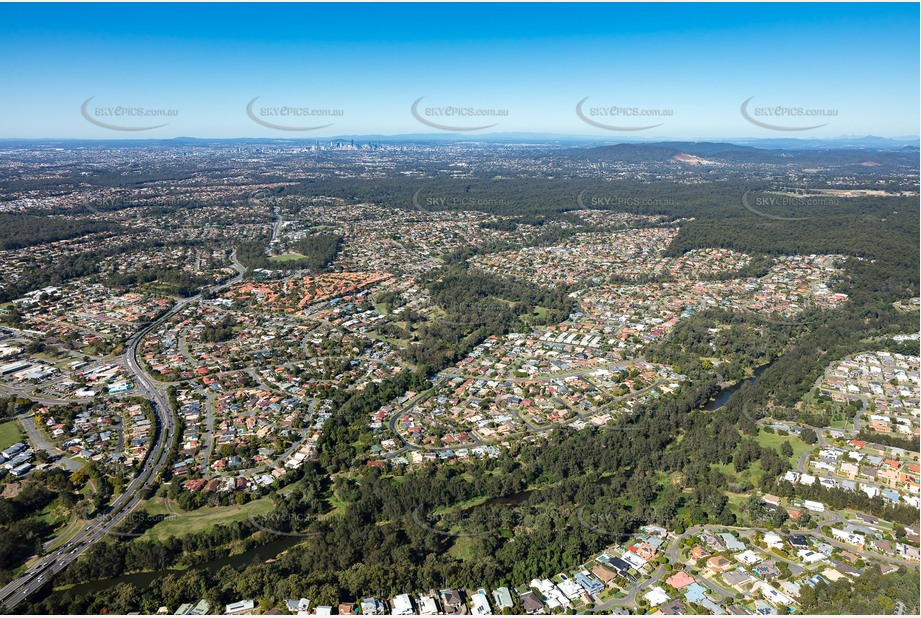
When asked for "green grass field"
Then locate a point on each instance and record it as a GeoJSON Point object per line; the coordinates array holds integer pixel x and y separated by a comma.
{"type": "Point", "coordinates": [462, 548]}
{"type": "Point", "coordinates": [736, 502]}
{"type": "Point", "coordinates": [337, 506]}
{"type": "Point", "coordinates": [181, 523]}
{"type": "Point", "coordinates": [74, 526]}
{"type": "Point", "coordinates": [773, 440]}
{"type": "Point", "coordinates": [286, 257]}
{"type": "Point", "coordinates": [9, 434]}
{"type": "Point", "coordinates": [752, 474]}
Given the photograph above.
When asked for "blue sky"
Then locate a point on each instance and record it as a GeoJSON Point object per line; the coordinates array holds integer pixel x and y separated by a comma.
{"type": "Point", "coordinates": [698, 62]}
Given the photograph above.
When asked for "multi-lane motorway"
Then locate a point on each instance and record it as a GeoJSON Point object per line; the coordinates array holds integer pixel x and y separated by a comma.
{"type": "Point", "coordinates": [44, 569]}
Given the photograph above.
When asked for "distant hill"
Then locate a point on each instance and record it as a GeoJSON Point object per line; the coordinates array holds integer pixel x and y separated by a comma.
{"type": "Point", "coordinates": [684, 153]}
{"type": "Point", "coordinates": [699, 148]}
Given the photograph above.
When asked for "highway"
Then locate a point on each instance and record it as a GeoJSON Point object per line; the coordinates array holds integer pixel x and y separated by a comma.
{"type": "Point", "coordinates": [19, 589]}
{"type": "Point", "coordinates": [44, 570]}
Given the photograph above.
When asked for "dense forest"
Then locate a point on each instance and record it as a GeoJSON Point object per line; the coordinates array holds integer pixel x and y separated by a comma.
{"type": "Point", "coordinates": [175, 280]}
{"type": "Point", "coordinates": [576, 491]}
{"type": "Point", "coordinates": [317, 250]}
{"type": "Point", "coordinates": [532, 199]}
{"type": "Point", "coordinates": [87, 265]}
{"type": "Point", "coordinates": [18, 231]}
{"type": "Point", "coordinates": [313, 253]}
{"type": "Point", "coordinates": [478, 305]}
{"type": "Point", "coordinates": [219, 331]}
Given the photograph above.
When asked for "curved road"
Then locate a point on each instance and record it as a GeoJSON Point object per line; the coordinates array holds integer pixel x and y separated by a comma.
{"type": "Point", "coordinates": [716, 590]}
{"type": "Point", "coordinates": [19, 589]}
{"type": "Point", "coordinates": [39, 574]}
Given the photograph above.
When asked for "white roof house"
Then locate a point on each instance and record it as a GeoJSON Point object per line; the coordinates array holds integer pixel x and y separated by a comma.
{"type": "Point", "coordinates": [479, 605]}
{"type": "Point", "coordinates": [810, 557]}
{"type": "Point", "coordinates": [748, 557]}
{"type": "Point", "coordinates": [657, 596]}
{"type": "Point", "coordinates": [775, 596]}
{"type": "Point", "coordinates": [773, 540]}
{"type": "Point", "coordinates": [571, 589]}
{"type": "Point", "coordinates": [240, 607]}
{"type": "Point", "coordinates": [402, 605]}
{"type": "Point", "coordinates": [427, 605]}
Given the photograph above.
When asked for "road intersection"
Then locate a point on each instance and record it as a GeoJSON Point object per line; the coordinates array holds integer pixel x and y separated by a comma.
{"type": "Point", "coordinates": [149, 474]}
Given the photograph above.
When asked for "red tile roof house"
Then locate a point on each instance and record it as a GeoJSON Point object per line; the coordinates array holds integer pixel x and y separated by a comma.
{"type": "Point", "coordinates": [645, 551]}
{"type": "Point", "coordinates": [679, 580]}
{"type": "Point", "coordinates": [698, 552]}
{"type": "Point", "coordinates": [909, 474]}
{"type": "Point", "coordinates": [194, 484]}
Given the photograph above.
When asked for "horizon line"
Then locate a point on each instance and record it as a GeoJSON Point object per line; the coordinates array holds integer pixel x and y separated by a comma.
{"type": "Point", "coordinates": [473, 138]}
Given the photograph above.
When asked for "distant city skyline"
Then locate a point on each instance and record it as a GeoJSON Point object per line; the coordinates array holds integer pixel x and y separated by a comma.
{"type": "Point", "coordinates": [619, 72]}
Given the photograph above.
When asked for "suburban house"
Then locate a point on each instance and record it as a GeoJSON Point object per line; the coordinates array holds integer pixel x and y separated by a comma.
{"type": "Point", "coordinates": [451, 601]}
{"type": "Point", "coordinates": [718, 564]}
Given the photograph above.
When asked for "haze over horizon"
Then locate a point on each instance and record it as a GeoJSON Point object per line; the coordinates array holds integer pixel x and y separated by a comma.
{"type": "Point", "coordinates": [510, 137]}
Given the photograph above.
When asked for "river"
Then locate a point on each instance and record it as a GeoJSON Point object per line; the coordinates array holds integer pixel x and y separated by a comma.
{"type": "Point", "coordinates": [271, 550]}
{"type": "Point", "coordinates": [143, 580]}
{"type": "Point", "coordinates": [720, 400]}
{"type": "Point", "coordinates": [714, 404]}
{"type": "Point", "coordinates": [518, 498]}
